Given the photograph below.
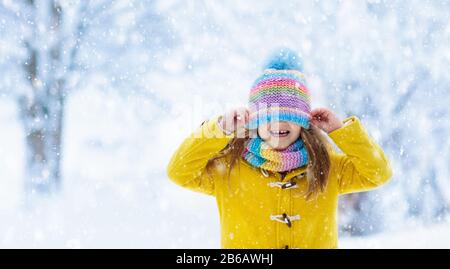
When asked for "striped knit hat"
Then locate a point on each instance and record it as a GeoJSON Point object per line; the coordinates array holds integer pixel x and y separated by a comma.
{"type": "Point", "coordinates": [280, 93]}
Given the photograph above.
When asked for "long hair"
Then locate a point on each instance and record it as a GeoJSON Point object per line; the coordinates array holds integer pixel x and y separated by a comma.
{"type": "Point", "coordinates": [316, 145]}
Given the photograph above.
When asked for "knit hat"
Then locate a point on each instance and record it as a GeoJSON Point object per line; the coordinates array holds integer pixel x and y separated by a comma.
{"type": "Point", "coordinates": [280, 93]}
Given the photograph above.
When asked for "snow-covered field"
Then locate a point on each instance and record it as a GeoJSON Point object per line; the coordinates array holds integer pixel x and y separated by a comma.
{"type": "Point", "coordinates": [406, 236]}
{"type": "Point", "coordinates": [115, 193]}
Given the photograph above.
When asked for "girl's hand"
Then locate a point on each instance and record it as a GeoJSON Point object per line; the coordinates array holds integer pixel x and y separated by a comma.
{"type": "Point", "coordinates": [325, 119]}
{"type": "Point", "coordinates": [234, 119]}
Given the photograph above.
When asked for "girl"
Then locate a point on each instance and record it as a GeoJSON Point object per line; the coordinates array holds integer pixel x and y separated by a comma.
{"type": "Point", "coordinates": [274, 174]}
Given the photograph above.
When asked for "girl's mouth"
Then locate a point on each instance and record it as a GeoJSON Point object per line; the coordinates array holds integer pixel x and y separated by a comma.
{"type": "Point", "coordinates": [279, 133]}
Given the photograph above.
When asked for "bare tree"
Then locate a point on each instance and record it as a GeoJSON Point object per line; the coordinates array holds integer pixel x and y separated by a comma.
{"type": "Point", "coordinates": [52, 34]}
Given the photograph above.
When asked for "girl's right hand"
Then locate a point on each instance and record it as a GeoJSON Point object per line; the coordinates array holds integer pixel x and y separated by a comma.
{"type": "Point", "coordinates": [234, 120]}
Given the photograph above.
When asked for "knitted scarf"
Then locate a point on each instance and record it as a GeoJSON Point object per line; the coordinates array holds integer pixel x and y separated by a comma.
{"type": "Point", "coordinates": [258, 153]}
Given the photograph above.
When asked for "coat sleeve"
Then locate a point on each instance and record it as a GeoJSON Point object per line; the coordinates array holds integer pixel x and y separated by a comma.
{"type": "Point", "coordinates": [363, 164]}
{"type": "Point", "coordinates": [187, 167]}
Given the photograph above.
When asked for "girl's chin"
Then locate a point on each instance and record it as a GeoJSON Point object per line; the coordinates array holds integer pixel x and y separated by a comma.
{"type": "Point", "coordinates": [280, 140]}
{"type": "Point", "coordinates": [279, 143]}
{"type": "Point", "coordinates": [279, 146]}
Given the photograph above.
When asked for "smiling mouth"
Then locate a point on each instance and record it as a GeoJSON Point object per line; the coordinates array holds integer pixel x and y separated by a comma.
{"type": "Point", "coordinates": [280, 133]}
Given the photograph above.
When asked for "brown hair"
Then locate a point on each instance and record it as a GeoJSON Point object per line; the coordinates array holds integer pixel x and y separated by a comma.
{"type": "Point", "coordinates": [316, 145]}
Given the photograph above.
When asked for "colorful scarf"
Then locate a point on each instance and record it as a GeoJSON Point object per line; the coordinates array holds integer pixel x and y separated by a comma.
{"type": "Point", "coordinates": [258, 153]}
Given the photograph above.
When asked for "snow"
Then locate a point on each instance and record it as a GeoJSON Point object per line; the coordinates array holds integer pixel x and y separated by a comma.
{"type": "Point", "coordinates": [112, 199]}
{"type": "Point", "coordinates": [409, 236]}
{"type": "Point", "coordinates": [149, 72]}
{"type": "Point", "coordinates": [11, 156]}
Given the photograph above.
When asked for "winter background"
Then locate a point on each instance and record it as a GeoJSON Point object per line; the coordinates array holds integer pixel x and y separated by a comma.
{"type": "Point", "coordinates": [95, 96]}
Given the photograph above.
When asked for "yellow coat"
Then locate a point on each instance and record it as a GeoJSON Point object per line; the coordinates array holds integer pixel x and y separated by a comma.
{"type": "Point", "coordinates": [255, 212]}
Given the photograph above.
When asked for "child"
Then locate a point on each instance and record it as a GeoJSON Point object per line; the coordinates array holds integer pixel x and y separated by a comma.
{"type": "Point", "coordinates": [275, 176]}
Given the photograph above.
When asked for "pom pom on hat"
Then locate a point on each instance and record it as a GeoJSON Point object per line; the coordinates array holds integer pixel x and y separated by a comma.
{"type": "Point", "coordinates": [284, 59]}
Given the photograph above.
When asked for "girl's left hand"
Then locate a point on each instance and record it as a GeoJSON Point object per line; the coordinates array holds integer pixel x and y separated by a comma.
{"type": "Point", "coordinates": [325, 119]}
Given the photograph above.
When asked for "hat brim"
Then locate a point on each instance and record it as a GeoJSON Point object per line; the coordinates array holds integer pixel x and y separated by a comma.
{"type": "Point", "coordinates": [301, 119]}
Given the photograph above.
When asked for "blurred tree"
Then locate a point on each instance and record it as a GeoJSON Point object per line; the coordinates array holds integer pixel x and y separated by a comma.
{"type": "Point", "coordinates": [64, 45]}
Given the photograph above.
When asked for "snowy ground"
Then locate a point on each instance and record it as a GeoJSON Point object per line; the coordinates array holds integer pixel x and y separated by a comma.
{"type": "Point", "coordinates": [434, 236]}
{"type": "Point", "coordinates": [116, 193]}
